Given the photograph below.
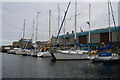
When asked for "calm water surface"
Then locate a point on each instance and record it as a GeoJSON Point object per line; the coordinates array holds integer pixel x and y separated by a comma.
{"type": "Point", "coordinates": [18, 66]}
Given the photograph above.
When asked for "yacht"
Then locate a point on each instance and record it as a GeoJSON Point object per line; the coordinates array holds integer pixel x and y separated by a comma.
{"type": "Point", "coordinates": [34, 53]}
{"type": "Point", "coordinates": [12, 51]}
{"type": "Point", "coordinates": [105, 56]}
{"type": "Point", "coordinates": [44, 52]}
{"type": "Point", "coordinates": [71, 55]}
{"type": "Point", "coordinates": [20, 52]}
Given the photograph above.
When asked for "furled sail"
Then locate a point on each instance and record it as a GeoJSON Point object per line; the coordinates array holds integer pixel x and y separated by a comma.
{"type": "Point", "coordinates": [109, 46]}
{"type": "Point", "coordinates": [86, 45]}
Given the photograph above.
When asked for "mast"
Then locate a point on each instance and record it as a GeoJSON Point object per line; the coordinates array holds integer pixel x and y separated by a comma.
{"type": "Point", "coordinates": [36, 31]}
{"type": "Point", "coordinates": [58, 16]}
{"type": "Point", "coordinates": [75, 17]}
{"type": "Point", "coordinates": [37, 27]}
{"type": "Point", "coordinates": [63, 20]}
{"type": "Point", "coordinates": [23, 34]}
{"type": "Point", "coordinates": [33, 30]}
{"type": "Point", "coordinates": [64, 32]}
{"type": "Point", "coordinates": [58, 20]}
{"type": "Point", "coordinates": [114, 24]}
{"type": "Point", "coordinates": [49, 24]}
{"type": "Point", "coordinates": [89, 22]}
{"type": "Point", "coordinates": [75, 21]}
{"type": "Point", "coordinates": [109, 21]}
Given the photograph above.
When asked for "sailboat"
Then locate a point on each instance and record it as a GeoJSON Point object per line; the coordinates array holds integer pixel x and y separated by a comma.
{"type": "Point", "coordinates": [24, 43]}
{"type": "Point", "coordinates": [30, 51]}
{"type": "Point", "coordinates": [36, 50]}
{"type": "Point", "coordinates": [12, 51]}
{"type": "Point", "coordinates": [105, 55]}
{"type": "Point", "coordinates": [70, 54]}
{"type": "Point", "coordinates": [44, 51]}
{"type": "Point", "coordinates": [22, 51]}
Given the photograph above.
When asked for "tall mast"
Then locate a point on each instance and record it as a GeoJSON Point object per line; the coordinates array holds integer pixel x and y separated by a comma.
{"type": "Point", "coordinates": [58, 16]}
{"type": "Point", "coordinates": [58, 20]}
{"type": "Point", "coordinates": [37, 27]}
{"type": "Point", "coordinates": [89, 22]}
{"type": "Point", "coordinates": [33, 30]}
{"type": "Point", "coordinates": [114, 23]}
{"type": "Point", "coordinates": [64, 32]}
{"type": "Point", "coordinates": [49, 24]}
{"type": "Point", "coordinates": [63, 21]}
{"type": "Point", "coordinates": [109, 21]}
{"type": "Point", "coordinates": [24, 30]}
{"type": "Point", "coordinates": [75, 21]}
{"type": "Point", "coordinates": [75, 17]}
{"type": "Point", "coordinates": [23, 34]}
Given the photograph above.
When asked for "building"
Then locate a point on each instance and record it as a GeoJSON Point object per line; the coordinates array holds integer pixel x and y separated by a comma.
{"type": "Point", "coordinates": [15, 44]}
{"type": "Point", "coordinates": [96, 36]}
{"type": "Point", "coordinates": [23, 43]}
{"type": "Point", "coordinates": [47, 43]}
{"type": "Point", "coordinates": [42, 43]}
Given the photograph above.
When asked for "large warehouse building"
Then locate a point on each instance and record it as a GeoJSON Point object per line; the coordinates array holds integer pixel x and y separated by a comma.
{"type": "Point", "coordinates": [96, 36]}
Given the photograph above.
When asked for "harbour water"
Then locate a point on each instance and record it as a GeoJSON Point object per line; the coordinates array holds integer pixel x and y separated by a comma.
{"type": "Point", "coordinates": [18, 66]}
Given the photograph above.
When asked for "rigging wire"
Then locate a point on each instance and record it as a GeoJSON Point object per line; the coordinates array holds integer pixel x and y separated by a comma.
{"type": "Point", "coordinates": [114, 23]}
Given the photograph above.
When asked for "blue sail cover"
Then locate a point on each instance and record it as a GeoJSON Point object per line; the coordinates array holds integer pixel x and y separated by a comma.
{"type": "Point", "coordinates": [109, 46]}
{"type": "Point", "coordinates": [85, 45]}
{"type": "Point", "coordinates": [91, 45]}
{"type": "Point", "coordinates": [104, 54]}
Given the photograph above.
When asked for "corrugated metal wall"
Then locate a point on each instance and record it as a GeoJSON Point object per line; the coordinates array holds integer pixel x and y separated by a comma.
{"type": "Point", "coordinates": [83, 39]}
{"type": "Point", "coordinates": [71, 40]}
{"type": "Point", "coordinates": [94, 38]}
{"type": "Point", "coordinates": [114, 37]}
{"type": "Point", "coordinates": [119, 36]}
{"type": "Point", "coordinates": [104, 37]}
{"type": "Point", "coordinates": [67, 40]}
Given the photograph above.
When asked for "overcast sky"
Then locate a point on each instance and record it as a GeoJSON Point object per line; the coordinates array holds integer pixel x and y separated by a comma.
{"type": "Point", "coordinates": [14, 13]}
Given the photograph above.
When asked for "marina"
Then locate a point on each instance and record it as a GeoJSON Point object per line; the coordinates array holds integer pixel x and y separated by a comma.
{"type": "Point", "coordinates": [65, 52]}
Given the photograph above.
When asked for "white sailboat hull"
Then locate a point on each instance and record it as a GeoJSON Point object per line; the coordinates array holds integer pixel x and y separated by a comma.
{"type": "Point", "coordinates": [44, 54]}
{"type": "Point", "coordinates": [29, 53]}
{"type": "Point", "coordinates": [70, 55]}
{"type": "Point", "coordinates": [20, 52]}
{"type": "Point", "coordinates": [11, 51]}
{"type": "Point", "coordinates": [34, 54]}
{"type": "Point", "coordinates": [102, 58]}
{"type": "Point", "coordinates": [107, 58]}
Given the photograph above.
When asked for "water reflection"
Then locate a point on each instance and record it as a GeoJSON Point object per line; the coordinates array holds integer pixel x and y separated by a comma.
{"type": "Point", "coordinates": [16, 66]}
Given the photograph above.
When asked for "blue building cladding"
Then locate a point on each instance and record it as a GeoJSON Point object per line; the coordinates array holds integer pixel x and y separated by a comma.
{"type": "Point", "coordinates": [97, 31]}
